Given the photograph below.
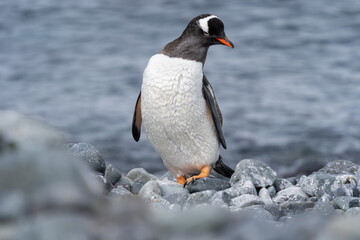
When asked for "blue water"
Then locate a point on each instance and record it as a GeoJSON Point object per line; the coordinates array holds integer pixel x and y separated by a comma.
{"type": "Point", "coordinates": [289, 91]}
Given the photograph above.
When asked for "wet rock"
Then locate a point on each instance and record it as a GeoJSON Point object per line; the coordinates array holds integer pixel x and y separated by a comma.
{"type": "Point", "coordinates": [244, 186]}
{"type": "Point", "coordinates": [345, 202]}
{"type": "Point", "coordinates": [324, 208]}
{"type": "Point", "coordinates": [112, 174]}
{"type": "Point", "coordinates": [120, 192]}
{"type": "Point", "coordinates": [89, 154]}
{"type": "Point", "coordinates": [317, 184]}
{"type": "Point", "coordinates": [281, 184]}
{"type": "Point", "coordinates": [221, 199]}
{"type": "Point", "coordinates": [265, 196]}
{"type": "Point", "coordinates": [246, 200]}
{"type": "Point", "coordinates": [174, 192]}
{"type": "Point", "coordinates": [207, 183]}
{"type": "Point", "coordinates": [199, 198]}
{"type": "Point", "coordinates": [140, 175]}
{"type": "Point", "coordinates": [340, 167]}
{"type": "Point", "coordinates": [258, 172]}
{"type": "Point", "coordinates": [291, 194]}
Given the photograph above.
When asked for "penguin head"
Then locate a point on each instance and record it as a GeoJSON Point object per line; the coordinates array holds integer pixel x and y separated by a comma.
{"type": "Point", "coordinates": [209, 30]}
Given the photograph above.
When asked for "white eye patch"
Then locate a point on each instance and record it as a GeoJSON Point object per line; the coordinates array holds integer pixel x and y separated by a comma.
{"type": "Point", "coordinates": [203, 23]}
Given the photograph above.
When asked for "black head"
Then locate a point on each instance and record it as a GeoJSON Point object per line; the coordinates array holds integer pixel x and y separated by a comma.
{"type": "Point", "coordinates": [202, 32]}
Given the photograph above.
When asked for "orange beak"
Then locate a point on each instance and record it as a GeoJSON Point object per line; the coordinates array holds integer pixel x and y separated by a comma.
{"type": "Point", "coordinates": [226, 42]}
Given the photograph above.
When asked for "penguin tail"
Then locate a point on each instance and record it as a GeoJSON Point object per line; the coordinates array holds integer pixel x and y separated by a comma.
{"type": "Point", "coordinates": [221, 168]}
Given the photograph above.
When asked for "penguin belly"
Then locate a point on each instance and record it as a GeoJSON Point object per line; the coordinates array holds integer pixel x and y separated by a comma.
{"type": "Point", "coordinates": [175, 116]}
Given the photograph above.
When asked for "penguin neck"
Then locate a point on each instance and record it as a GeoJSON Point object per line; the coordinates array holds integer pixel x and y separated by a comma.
{"type": "Point", "coordinates": [186, 47]}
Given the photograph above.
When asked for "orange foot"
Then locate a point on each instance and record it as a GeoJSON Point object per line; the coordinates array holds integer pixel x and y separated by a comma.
{"type": "Point", "coordinates": [205, 171]}
{"type": "Point", "coordinates": [181, 180]}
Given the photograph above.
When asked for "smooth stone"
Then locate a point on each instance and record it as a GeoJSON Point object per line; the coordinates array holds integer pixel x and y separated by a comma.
{"type": "Point", "coordinates": [207, 183]}
{"type": "Point", "coordinates": [345, 202]}
{"type": "Point", "coordinates": [272, 191]}
{"type": "Point", "coordinates": [244, 186]}
{"type": "Point", "coordinates": [257, 212]}
{"type": "Point", "coordinates": [265, 196]}
{"type": "Point", "coordinates": [324, 208]}
{"type": "Point", "coordinates": [317, 184]}
{"type": "Point", "coordinates": [340, 167]}
{"type": "Point", "coordinates": [174, 192]}
{"type": "Point", "coordinates": [89, 154]}
{"type": "Point", "coordinates": [199, 198]}
{"type": "Point", "coordinates": [281, 184]}
{"type": "Point", "coordinates": [221, 199]}
{"type": "Point", "coordinates": [151, 192]}
{"type": "Point", "coordinates": [355, 211]}
{"type": "Point", "coordinates": [168, 176]}
{"type": "Point", "coordinates": [258, 172]}
{"type": "Point", "coordinates": [126, 183]}
{"type": "Point", "coordinates": [246, 200]}
{"type": "Point", "coordinates": [120, 192]}
{"type": "Point", "coordinates": [107, 185]}
{"type": "Point", "coordinates": [112, 174]}
{"type": "Point", "coordinates": [136, 187]}
{"type": "Point", "coordinates": [140, 175]}
{"type": "Point", "coordinates": [291, 194]}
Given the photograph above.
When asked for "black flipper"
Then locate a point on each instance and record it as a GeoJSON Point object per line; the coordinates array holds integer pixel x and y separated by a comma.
{"type": "Point", "coordinates": [214, 109]}
{"type": "Point", "coordinates": [222, 169]}
{"type": "Point", "coordinates": [136, 122]}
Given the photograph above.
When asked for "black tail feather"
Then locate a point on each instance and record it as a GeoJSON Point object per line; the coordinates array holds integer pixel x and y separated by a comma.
{"type": "Point", "coordinates": [223, 169]}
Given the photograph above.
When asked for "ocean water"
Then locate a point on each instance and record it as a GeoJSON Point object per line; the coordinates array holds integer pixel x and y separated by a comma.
{"type": "Point", "coordinates": [289, 91]}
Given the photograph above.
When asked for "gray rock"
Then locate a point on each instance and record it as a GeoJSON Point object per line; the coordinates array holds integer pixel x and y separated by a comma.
{"type": "Point", "coordinates": [112, 174]}
{"type": "Point", "coordinates": [317, 184]}
{"type": "Point", "coordinates": [207, 183]}
{"type": "Point", "coordinates": [291, 194]}
{"type": "Point", "coordinates": [265, 196]}
{"type": "Point", "coordinates": [272, 191]}
{"type": "Point", "coordinates": [355, 211]}
{"type": "Point", "coordinates": [246, 200]}
{"type": "Point", "coordinates": [340, 167]}
{"type": "Point", "coordinates": [89, 154]}
{"type": "Point", "coordinates": [18, 132]}
{"type": "Point", "coordinates": [297, 207]}
{"type": "Point", "coordinates": [151, 192]}
{"type": "Point", "coordinates": [314, 199]}
{"type": "Point", "coordinates": [324, 208]}
{"type": "Point", "coordinates": [221, 199]}
{"type": "Point", "coordinates": [244, 186]}
{"type": "Point", "coordinates": [199, 198]}
{"type": "Point", "coordinates": [325, 198]}
{"type": "Point", "coordinates": [281, 184]}
{"type": "Point", "coordinates": [107, 185]}
{"type": "Point", "coordinates": [343, 202]}
{"type": "Point", "coordinates": [140, 175]}
{"type": "Point", "coordinates": [258, 172]}
{"type": "Point", "coordinates": [257, 212]}
{"type": "Point", "coordinates": [275, 209]}
{"type": "Point", "coordinates": [174, 192]}
{"type": "Point", "coordinates": [136, 187]}
{"type": "Point", "coordinates": [168, 177]}
{"type": "Point", "coordinates": [293, 180]}
{"type": "Point", "coordinates": [126, 183]}
{"type": "Point", "coordinates": [120, 192]}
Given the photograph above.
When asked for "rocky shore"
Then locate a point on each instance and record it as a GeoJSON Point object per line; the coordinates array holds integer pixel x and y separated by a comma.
{"type": "Point", "coordinates": [51, 189]}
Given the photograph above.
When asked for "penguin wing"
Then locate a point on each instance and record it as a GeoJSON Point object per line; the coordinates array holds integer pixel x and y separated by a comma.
{"type": "Point", "coordinates": [136, 122]}
{"type": "Point", "coordinates": [214, 109]}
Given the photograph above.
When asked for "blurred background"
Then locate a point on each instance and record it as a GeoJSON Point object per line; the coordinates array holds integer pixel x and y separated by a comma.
{"type": "Point", "coordinates": [289, 91]}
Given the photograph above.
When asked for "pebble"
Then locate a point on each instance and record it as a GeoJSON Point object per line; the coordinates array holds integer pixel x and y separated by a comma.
{"type": "Point", "coordinates": [244, 186]}
{"type": "Point", "coordinates": [246, 200]}
{"type": "Point", "coordinates": [88, 153]}
{"type": "Point", "coordinates": [207, 183]}
{"type": "Point", "coordinates": [291, 194]}
{"type": "Point", "coordinates": [120, 192]}
{"type": "Point", "coordinates": [112, 174]}
{"type": "Point", "coordinates": [258, 172]}
{"type": "Point", "coordinates": [199, 198]}
{"type": "Point", "coordinates": [174, 192]}
{"type": "Point", "coordinates": [140, 175]}
{"type": "Point", "coordinates": [265, 196]}
{"type": "Point", "coordinates": [281, 184]}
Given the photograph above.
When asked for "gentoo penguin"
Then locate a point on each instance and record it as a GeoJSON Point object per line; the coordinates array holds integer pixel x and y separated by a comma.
{"type": "Point", "coordinates": [177, 105]}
